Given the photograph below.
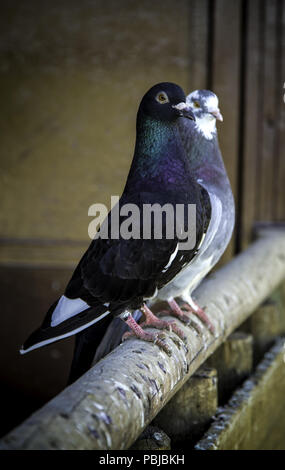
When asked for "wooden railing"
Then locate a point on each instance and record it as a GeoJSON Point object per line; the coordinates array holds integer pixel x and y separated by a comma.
{"type": "Point", "coordinates": [110, 405]}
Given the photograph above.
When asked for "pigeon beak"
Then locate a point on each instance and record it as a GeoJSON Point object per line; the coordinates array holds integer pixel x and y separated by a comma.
{"type": "Point", "coordinates": [216, 113]}
{"type": "Point", "coordinates": [184, 110]}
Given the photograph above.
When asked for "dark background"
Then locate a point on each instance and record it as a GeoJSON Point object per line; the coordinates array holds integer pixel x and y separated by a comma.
{"type": "Point", "coordinates": [71, 77]}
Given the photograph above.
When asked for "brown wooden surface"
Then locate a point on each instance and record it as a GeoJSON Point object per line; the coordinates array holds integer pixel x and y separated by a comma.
{"type": "Point", "coordinates": [49, 150]}
{"type": "Point", "coordinates": [233, 361]}
{"type": "Point", "coordinates": [225, 83]}
{"type": "Point", "coordinates": [152, 438]}
{"type": "Point", "coordinates": [188, 414]}
{"type": "Point", "coordinates": [267, 115]}
{"type": "Point", "coordinates": [198, 44]}
{"type": "Point", "coordinates": [254, 418]}
{"type": "Point", "coordinates": [261, 193]}
{"type": "Point", "coordinates": [27, 382]}
{"type": "Point", "coordinates": [279, 207]}
{"type": "Point", "coordinates": [61, 151]}
{"type": "Point", "coordinates": [249, 112]}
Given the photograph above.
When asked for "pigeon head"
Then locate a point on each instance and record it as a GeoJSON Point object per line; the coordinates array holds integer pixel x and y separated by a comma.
{"type": "Point", "coordinates": [205, 107]}
{"type": "Point", "coordinates": [165, 102]}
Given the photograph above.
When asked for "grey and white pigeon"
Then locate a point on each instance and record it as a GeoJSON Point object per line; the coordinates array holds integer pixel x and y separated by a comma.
{"type": "Point", "coordinates": [118, 275]}
{"type": "Point", "coordinates": [207, 167]}
{"type": "Point", "coordinates": [200, 141]}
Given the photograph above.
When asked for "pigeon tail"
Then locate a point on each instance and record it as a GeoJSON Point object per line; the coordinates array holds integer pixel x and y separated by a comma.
{"type": "Point", "coordinates": [65, 317]}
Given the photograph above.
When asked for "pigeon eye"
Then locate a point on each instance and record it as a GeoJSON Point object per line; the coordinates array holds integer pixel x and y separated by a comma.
{"type": "Point", "coordinates": [162, 97]}
{"type": "Point", "coordinates": [196, 104]}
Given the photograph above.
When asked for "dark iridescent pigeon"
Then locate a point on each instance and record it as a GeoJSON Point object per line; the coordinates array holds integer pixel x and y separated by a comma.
{"type": "Point", "coordinates": [200, 141]}
{"type": "Point", "coordinates": [117, 275]}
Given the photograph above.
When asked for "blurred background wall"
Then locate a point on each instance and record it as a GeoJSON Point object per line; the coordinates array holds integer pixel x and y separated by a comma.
{"type": "Point", "coordinates": [71, 77]}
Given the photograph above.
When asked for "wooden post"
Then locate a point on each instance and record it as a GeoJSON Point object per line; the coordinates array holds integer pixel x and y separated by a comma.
{"type": "Point", "coordinates": [266, 323]}
{"type": "Point", "coordinates": [254, 418]}
{"type": "Point", "coordinates": [233, 361]}
{"type": "Point", "coordinates": [188, 414]}
{"type": "Point", "coordinates": [111, 404]}
{"type": "Point", "coordinates": [152, 438]}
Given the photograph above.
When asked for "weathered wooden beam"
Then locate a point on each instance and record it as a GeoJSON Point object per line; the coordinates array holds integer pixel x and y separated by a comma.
{"type": "Point", "coordinates": [111, 404]}
{"type": "Point", "coordinates": [233, 361]}
{"type": "Point", "coordinates": [152, 438]}
{"type": "Point", "coordinates": [254, 418]}
{"type": "Point", "coordinates": [265, 324]}
{"type": "Point", "coordinates": [188, 414]}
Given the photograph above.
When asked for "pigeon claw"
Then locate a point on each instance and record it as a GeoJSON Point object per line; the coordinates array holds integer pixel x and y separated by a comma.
{"type": "Point", "coordinates": [156, 338]}
{"type": "Point", "coordinates": [199, 312]}
{"type": "Point", "coordinates": [178, 313]}
{"type": "Point", "coordinates": [185, 318]}
{"type": "Point", "coordinates": [138, 332]}
{"type": "Point", "coordinates": [159, 340]}
{"type": "Point", "coordinates": [152, 321]}
{"type": "Point", "coordinates": [167, 325]}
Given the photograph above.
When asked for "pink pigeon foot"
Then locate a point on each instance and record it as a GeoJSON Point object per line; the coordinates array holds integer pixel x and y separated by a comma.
{"type": "Point", "coordinates": [178, 312]}
{"type": "Point", "coordinates": [139, 333]}
{"type": "Point", "coordinates": [200, 313]}
{"type": "Point", "coordinates": [152, 321]}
